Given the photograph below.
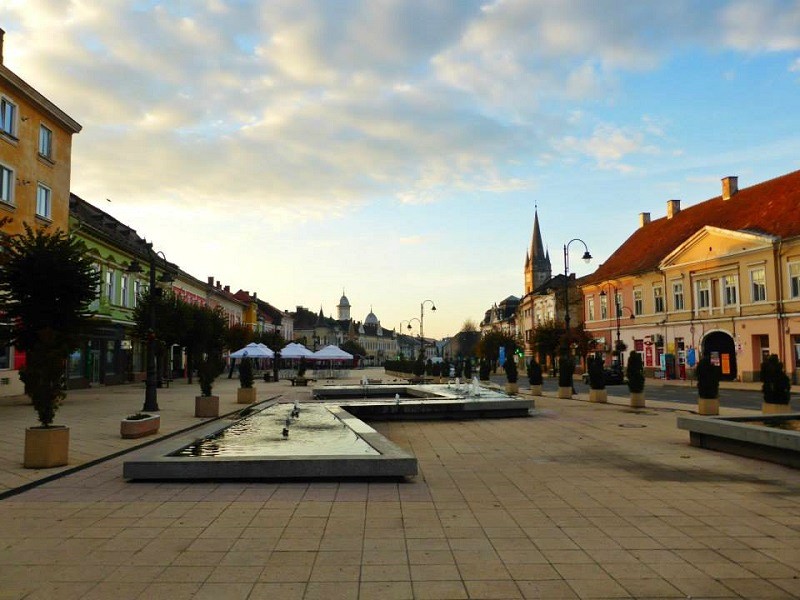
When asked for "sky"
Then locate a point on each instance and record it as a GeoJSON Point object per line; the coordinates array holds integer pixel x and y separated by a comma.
{"type": "Point", "coordinates": [397, 150]}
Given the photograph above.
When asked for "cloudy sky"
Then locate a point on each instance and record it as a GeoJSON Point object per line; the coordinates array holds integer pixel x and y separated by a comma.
{"type": "Point", "coordinates": [397, 149]}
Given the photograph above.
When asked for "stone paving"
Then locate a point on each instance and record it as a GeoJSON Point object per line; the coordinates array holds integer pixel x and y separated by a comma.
{"type": "Point", "coordinates": [579, 501]}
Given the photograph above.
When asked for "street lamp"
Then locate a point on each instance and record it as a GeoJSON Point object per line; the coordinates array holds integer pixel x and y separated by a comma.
{"type": "Point", "coordinates": [150, 390]}
{"type": "Point", "coordinates": [421, 320]}
{"type": "Point", "coordinates": [586, 258]}
{"type": "Point", "coordinates": [618, 308]}
{"type": "Point", "coordinates": [420, 330]}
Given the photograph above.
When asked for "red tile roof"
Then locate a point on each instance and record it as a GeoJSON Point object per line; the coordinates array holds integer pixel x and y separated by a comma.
{"type": "Point", "coordinates": [771, 207]}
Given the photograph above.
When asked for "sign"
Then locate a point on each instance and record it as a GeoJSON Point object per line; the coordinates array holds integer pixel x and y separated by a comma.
{"type": "Point", "coordinates": [501, 359]}
{"type": "Point", "coordinates": [726, 364]}
{"type": "Point", "coordinates": [691, 357]}
{"type": "Point", "coordinates": [648, 355]}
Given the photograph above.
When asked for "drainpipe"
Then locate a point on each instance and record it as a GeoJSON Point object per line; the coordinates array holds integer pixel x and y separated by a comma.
{"type": "Point", "coordinates": [776, 250]}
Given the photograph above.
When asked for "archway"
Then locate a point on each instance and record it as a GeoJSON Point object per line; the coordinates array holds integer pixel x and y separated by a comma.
{"type": "Point", "coordinates": [721, 349]}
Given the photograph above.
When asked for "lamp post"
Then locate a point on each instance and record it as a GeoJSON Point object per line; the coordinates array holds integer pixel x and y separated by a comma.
{"type": "Point", "coordinates": [420, 331]}
{"type": "Point", "coordinates": [421, 321]}
{"type": "Point", "coordinates": [586, 258]}
{"type": "Point", "coordinates": [618, 308]}
{"type": "Point", "coordinates": [151, 385]}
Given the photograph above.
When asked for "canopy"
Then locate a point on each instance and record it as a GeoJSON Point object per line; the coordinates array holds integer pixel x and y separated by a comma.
{"type": "Point", "coordinates": [295, 350]}
{"type": "Point", "coordinates": [332, 353]}
{"type": "Point", "coordinates": [253, 350]}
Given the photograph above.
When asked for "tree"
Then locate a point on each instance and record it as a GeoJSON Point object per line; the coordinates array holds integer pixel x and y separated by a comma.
{"type": "Point", "coordinates": [353, 347]}
{"type": "Point", "coordinates": [272, 339]}
{"type": "Point", "coordinates": [547, 339]}
{"type": "Point", "coordinates": [46, 285]}
{"type": "Point", "coordinates": [238, 336]}
{"type": "Point", "coordinates": [489, 345]}
{"type": "Point", "coordinates": [203, 336]}
{"type": "Point", "coordinates": [469, 326]}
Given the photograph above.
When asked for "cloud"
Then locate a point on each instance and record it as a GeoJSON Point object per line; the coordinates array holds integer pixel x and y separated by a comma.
{"type": "Point", "coordinates": [610, 146]}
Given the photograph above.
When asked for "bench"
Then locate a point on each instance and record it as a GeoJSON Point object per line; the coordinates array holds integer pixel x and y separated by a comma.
{"type": "Point", "coordinates": [300, 381]}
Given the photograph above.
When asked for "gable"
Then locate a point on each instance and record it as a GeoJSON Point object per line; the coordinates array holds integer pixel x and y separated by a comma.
{"type": "Point", "coordinates": [714, 242]}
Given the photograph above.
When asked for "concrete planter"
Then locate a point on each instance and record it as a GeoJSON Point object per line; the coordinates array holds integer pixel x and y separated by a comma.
{"type": "Point", "coordinates": [769, 408]}
{"type": "Point", "coordinates": [136, 428]}
{"type": "Point", "coordinates": [598, 396]}
{"type": "Point", "coordinates": [246, 395]}
{"type": "Point", "coordinates": [46, 447]}
{"type": "Point", "coordinates": [536, 390]}
{"type": "Point", "coordinates": [707, 406]}
{"type": "Point", "coordinates": [206, 406]}
{"type": "Point", "coordinates": [564, 392]}
{"type": "Point", "coordinates": [512, 388]}
{"type": "Point", "coordinates": [637, 399]}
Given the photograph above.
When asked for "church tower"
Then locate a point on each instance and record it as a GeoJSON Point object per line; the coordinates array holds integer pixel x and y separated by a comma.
{"type": "Point", "coordinates": [537, 261]}
{"type": "Point", "coordinates": [343, 308]}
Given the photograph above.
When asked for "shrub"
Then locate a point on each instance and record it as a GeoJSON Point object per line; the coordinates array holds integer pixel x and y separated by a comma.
{"type": "Point", "coordinates": [301, 368]}
{"type": "Point", "coordinates": [459, 368]}
{"type": "Point", "coordinates": [534, 372]}
{"type": "Point", "coordinates": [775, 383]}
{"type": "Point", "coordinates": [468, 369]}
{"type": "Point", "coordinates": [419, 367]}
{"type": "Point", "coordinates": [597, 380]}
{"type": "Point", "coordinates": [246, 373]}
{"type": "Point", "coordinates": [635, 373]}
{"type": "Point", "coordinates": [436, 370]}
{"type": "Point", "coordinates": [483, 370]}
{"type": "Point", "coordinates": [429, 367]}
{"type": "Point", "coordinates": [566, 367]}
{"type": "Point", "coordinates": [707, 379]}
{"type": "Point", "coordinates": [207, 372]}
{"type": "Point", "coordinates": [511, 369]}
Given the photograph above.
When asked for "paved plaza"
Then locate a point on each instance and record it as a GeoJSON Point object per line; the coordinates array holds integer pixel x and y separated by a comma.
{"type": "Point", "coordinates": [579, 501]}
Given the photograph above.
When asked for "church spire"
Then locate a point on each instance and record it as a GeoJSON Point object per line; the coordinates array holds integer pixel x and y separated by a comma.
{"type": "Point", "coordinates": [537, 248]}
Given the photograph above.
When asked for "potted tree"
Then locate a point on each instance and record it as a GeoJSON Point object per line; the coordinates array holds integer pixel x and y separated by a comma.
{"type": "Point", "coordinates": [535, 377]}
{"type": "Point", "coordinates": [206, 404]}
{"type": "Point", "coordinates": [483, 370]}
{"type": "Point", "coordinates": [436, 370]}
{"type": "Point", "coordinates": [566, 367]}
{"type": "Point", "coordinates": [635, 373]}
{"type": "Point", "coordinates": [775, 385]}
{"type": "Point", "coordinates": [46, 285]}
{"type": "Point", "coordinates": [597, 380]}
{"type": "Point", "coordinates": [707, 387]}
{"type": "Point", "coordinates": [246, 394]}
{"type": "Point", "coordinates": [510, 367]}
{"type": "Point", "coordinates": [467, 369]}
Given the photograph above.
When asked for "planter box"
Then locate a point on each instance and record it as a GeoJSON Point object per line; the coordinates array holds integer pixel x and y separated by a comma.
{"type": "Point", "coordinates": [512, 388]}
{"type": "Point", "coordinates": [769, 408]}
{"type": "Point", "coordinates": [564, 392]}
{"type": "Point", "coordinates": [536, 390]}
{"type": "Point", "coordinates": [206, 406]}
{"type": "Point", "coordinates": [707, 406]}
{"type": "Point", "coordinates": [598, 396]}
{"type": "Point", "coordinates": [46, 447]}
{"type": "Point", "coordinates": [637, 399]}
{"type": "Point", "coordinates": [136, 428]}
{"type": "Point", "coordinates": [246, 395]}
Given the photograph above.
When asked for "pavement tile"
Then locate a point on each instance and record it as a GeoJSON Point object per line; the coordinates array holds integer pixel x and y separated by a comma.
{"type": "Point", "coordinates": [439, 590]}
{"type": "Point", "coordinates": [491, 590]}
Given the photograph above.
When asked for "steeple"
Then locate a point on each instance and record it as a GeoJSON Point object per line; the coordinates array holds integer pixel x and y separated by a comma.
{"type": "Point", "coordinates": [537, 248]}
{"type": "Point", "coordinates": [537, 264]}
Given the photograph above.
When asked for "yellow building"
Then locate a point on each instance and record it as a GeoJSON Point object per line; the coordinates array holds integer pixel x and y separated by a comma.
{"type": "Point", "coordinates": [720, 278]}
{"type": "Point", "coordinates": [35, 155]}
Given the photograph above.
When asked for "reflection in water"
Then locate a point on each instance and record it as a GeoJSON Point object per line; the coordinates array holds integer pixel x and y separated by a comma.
{"type": "Point", "coordinates": [313, 430]}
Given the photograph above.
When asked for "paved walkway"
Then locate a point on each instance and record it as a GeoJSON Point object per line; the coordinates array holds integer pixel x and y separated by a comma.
{"type": "Point", "coordinates": [579, 501]}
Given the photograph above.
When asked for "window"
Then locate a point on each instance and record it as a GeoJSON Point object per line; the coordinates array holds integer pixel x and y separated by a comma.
{"type": "Point", "coordinates": [703, 294]}
{"type": "Point", "coordinates": [677, 295]}
{"type": "Point", "coordinates": [8, 116]}
{"type": "Point", "coordinates": [638, 302]}
{"type": "Point", "coordinates": [45, 142]}
{"type": "Point", "coordinates": [658, 299]}
{"type": "Point", "coordinates": [729, 290]}
{"type": "Point", "coordinates": [618, 304]}
{"type": "Point", "coordinates": [6, 185]}
{"type": "Point", "coordinates": [123, 290]}
{"type": "Point", "coordinates": [137, 290]}
{"type": "Point", "coordinates": [43, 201]}
{"type": "Point", "coordinates": [794, 279]}
{"type": "Point", "coordinates": [603, 307]}
{"type": "Point", "coordinates": [590, 309]}
{"type": "Point", "coordinates": [110, 289]}
{"type": "Point", "coordinates": [758, 285]}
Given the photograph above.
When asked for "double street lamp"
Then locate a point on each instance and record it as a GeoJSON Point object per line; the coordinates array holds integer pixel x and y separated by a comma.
{"type": "Point", "coordinates": [420, 331]}
{"type": "Point", "coordinates": [586, 258]}
{"type": "Point", "coordinates": [421, 321]}
{"type": "Point", "coordinates": [150, 391]}
{"type": "Point", "coordinates": [618, 308]}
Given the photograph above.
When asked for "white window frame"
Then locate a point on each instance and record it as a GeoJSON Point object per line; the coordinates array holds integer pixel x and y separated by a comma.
{"type": "Point", "coordinates": [638, 301]}
{"type": "Point", "coordinates": [730, 290]}
{"type": "Point", "coordinates": [8, 116]}
{"type": "Point", "coordinates": [603, 307]}
{"type": "Point", "coordinates": [111, 290]}
{"type": "Point", "coordinates": [658, 299]}
{"type": "Point", "coordinates": [45, 142]}
{"type": "Point", "coordinates": [618, 304]}
{"type": "Point", "coordinates": [793, 271]}
{"type": "Point", "coordinates": [678, 300]}
{"type": "Point", "coordinates": [7, 181]}
{"type": "Point", "coordinates": [758, 284]}
{"type": "Point", "coordinates": [590, 308]}
{"type": "Point", "coordinates": [44, 201]}
{"type": "Point", "coordinates": [123, 290]}
{"type": "Point", "coordinates": [703, 292]}
{"type": "Point", "coordinates": [137, 290]}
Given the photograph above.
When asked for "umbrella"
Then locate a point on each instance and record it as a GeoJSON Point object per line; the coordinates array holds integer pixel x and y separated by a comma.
{"type": "Point", "coordinates": [332, 353]}
{"type": "Point", "coordinates": [253, 350]}
{"type": "Point", "coordinates": [295, 350]}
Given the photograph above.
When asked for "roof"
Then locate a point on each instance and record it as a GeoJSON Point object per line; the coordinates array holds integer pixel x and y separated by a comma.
{"type": "Point", "coordinates": [770, 207]}
{"type": "Point", "coordinates": [36, 98]}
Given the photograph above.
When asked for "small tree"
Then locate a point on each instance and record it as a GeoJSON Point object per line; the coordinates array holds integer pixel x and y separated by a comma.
{"type": "Point", "coordinates": [483, 370]}
{"type": "Point", "coordinates": [301, 368]}
{"type": "Point", "coordinates": [207, 371]}
{"type": "Point", "coordinates": [566, 368]}
{"type": "Point", "coordinates": [707, 379]}
{"type": "Point", "coordinates": [775, 383]}
{"type": "Point", "coordinates": [635, 373]}
{"type": "Point", "coordinates": [510, 367]}
{"type": "Point", "coordinates": [534, 372]}
{"type": "Point", "coordinates": [246, 373]}
{"type": "Point", "coordinates": [429, 367]}
{"type": "Point", "coordinates": [467, 368]}
{"type": "Point", "coordinates": [436, 370]}
{"type": "Point", "coordinates": [597, 380]}
{"type": "Point", "coordinates": [459, 368]}
{"type": "Point", "coordinates": [46, 285]}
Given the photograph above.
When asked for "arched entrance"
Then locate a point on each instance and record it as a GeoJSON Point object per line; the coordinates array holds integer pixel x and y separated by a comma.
{"type": "Point", "coordinates": [721, 349]}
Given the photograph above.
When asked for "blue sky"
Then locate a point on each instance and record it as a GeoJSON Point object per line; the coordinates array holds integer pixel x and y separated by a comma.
{"type": "Point", "coordinates": [396, 149]}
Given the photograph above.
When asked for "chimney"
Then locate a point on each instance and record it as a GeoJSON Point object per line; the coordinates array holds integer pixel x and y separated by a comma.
{"type": "Point", "coordinates": [673, 208]}
{"type": "Point", "coordinates": [227, 288]}
{"type": "Point", "coordinates": [644, 219]}
{"type": "Point", "coordinates": [730, 185]}
{"type": "Point", "coordinates": [219, 285]}
{"type": "Point", "coordinates": [2, 35]}
{"type": "Point", "coordinates": [211, 281]}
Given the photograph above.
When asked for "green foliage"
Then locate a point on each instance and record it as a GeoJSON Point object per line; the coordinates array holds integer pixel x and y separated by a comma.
{"type": "Point", "coordinates": [138, 416]}
{"type": "Point", "coordinates": [46, 285]}
{"type": "Point", "coordinates": [708, 376]}
{"type": "Point", "coordinates": [489, 345]}
{"type": "Point", "coordinates": [429, 367]}
{"type": "Point", "coordinates": [459, 368]}
{"type": "Point", "coordinates": [238, 336]}
{"type": "Point", "coordinates": [510, 367]}
{"type": "Point", "coordinates": [271, 339]}
{"type": "Point", "coordinates": [207, 371]}
{"type": "Point", "coordinates": [546, 338]}
{"type": "Point", "coordinates": [353, 347]}
{"type": "Point", "coordinates": [566, 369]}
{"type": "Point", "coordinates": [775, 383]}
{"type": "Point", "coordinates": [436, 369]}
{"type": "Point", "coordinates": [597, 379]}
{"type": "Point", "coordinates": [467, 368]}
{"type": "Point", "coordinates": [419, 366]}
{"type": "Point", "coordinates": [534, 372]}
{"type": "Point", "coordinates": [635, 372]}
{"type": "Point", "coordinates": [246, 373]}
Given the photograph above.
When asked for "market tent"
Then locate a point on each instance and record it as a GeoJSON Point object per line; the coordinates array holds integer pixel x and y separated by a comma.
{"type": "Point", "coordinates": [332, 353]}
{"type": "Point", "coordinates": [295, 350]}
{"type": "Point", "coordinates": [253, 350]}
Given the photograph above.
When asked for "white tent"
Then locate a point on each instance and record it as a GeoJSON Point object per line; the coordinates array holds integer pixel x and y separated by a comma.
{"type": "Point", "coordinates": [332, 353]}
{"type": "Point", "coordinates": [295, 350]}
{"type": "Point", "coordinates": [253, 350]}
